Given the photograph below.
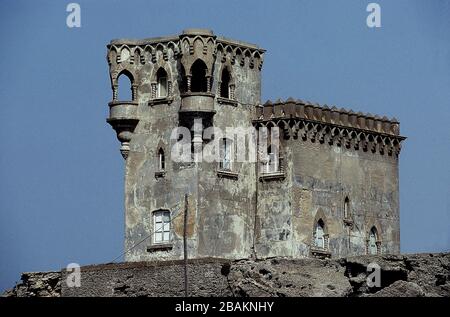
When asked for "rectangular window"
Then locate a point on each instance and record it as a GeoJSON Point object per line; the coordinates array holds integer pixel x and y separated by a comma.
{"type": "Point", "coordinates": [162, 87]}
{"type": "Point", "coordinates": [320, 241]}
{"type": "Point", "coordinates": [161, 226]}
{"type": "Point", "coordinates": [271, 164]}
{"type": "Point", "coordinates": [226, 154]}
{"type": "Point", "coordinates": [372, 245]}
{"type": "Point", "coordinates": [162, 163]}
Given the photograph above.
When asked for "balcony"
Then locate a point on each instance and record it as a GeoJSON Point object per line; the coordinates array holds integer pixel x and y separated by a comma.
{"type": "Point", "coordinates": [197, 102]}
{"type": "Point", "coordinates": [123, 119]}
{"type": "Point", "coordinates": [122, 110]}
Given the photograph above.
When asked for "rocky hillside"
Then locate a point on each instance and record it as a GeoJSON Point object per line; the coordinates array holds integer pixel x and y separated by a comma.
{"type": "Point", "coordinates": [400, 275]}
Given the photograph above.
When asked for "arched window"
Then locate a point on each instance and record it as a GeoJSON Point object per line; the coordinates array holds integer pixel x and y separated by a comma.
{"type": "Point", "coordinates": [161, 79]}
{"type": "Point", "coordinates": [226, 154]}
{"type": "Point", "coordinates": [161, 160]}
{"type": "Point", "coordinates": [319, 235]}
{"type": "Point", "coordinates": [198, 81]}
{"type": "Point", "coordinates": [346, 208]}
{"type": "Point", "coordinates": [373, 246]}
{"type": "Point", "coordinates": [161, 226]}
{"type": "Point", "coordinates": [225, 84]}
{"type": "Point", "coordinates": [124, 82]}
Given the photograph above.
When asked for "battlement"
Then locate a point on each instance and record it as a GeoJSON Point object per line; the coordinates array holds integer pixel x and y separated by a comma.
{"type": "Point", "coordinates": [195, 32]}
{"type": "Point", "coordinates": [313, 111]}
{"type": "Point", "coordinates": [142, 51]}
{"type": "Point", "coordinates": [333, 125]}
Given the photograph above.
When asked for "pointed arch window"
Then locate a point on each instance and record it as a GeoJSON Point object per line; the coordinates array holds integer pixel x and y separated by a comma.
{"type": "Point", "coordinates": [162, 83]}
{"type": "Point", "coordinates": [225, 84]}
{"type": "Point", "coordinates": [319, 235]}
{"type": "Point", "coordinates": [199, 79]}
{"type": "Point", "coordinates": [374, 245]}
{"type": "Point", "coordinates": [346, 208]}
{"type": "Point", "coordinates": [123, 90]}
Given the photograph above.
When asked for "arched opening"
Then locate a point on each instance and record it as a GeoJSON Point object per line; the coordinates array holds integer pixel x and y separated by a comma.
{"type": "Point", "coordinates": [319, 235]}
{"type": "Point", "coordinates": [124, 54]}
{"type": "Point", "coordinates": [161, 79]}
{"type": "Point", "coordinates": [198, 81]}
{"type": "Point", "coordinates": [226, 154]}
{"type": "Point", "coordinates": [124, 87]}
{"type": "Point", "coordinates": [373, 246]}
{"type": "Point", "coordinates": [225, 84]}
{"type": "Point", "coordinates": [346, 208]}
{"type": "Point", "coordinates": [161, 226]}
{"type": "Point", "coordinates": [161, 160]}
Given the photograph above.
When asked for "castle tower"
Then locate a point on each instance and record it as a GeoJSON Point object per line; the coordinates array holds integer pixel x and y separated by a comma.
{"type": "Point", "coordinates": [324, 183]}
{"type": "Point", "coordinates": [186, 81]}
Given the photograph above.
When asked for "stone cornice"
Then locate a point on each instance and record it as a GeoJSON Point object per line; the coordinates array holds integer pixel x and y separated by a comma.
{"type": "Point", "coordinates": [146, 49]}
{"type": "Point", "coordinates": [227, 41]}
{"type": "Point", "coordinates": [342, 127]}
{"type": "Point", "coordinates": [138, 42]}
{"type": "Point", "coordinates": [175, 38]}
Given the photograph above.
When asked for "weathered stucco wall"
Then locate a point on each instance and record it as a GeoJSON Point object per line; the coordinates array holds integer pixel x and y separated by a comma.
{"type": "Point", "coordinates": [221, 209]}
{"type": "Point", "coordinates": [145, 193]}
{"type": "Point", "coordinates": [227, 203]}
{"type": "Point", "coordinates": [318, 179]}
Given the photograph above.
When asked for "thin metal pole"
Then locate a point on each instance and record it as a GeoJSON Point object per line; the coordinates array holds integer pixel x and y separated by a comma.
{"type": "Point", "coordinates": [185, 246]}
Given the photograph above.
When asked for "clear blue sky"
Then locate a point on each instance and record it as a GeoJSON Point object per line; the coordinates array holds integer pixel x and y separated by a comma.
{"type": "Point", "coordinates": [61, 188]}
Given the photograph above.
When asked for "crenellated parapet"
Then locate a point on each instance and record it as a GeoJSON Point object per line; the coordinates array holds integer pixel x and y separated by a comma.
{"type": "Point", "coordinates": [127, 52]}
{"type": "Point", "coordinates": [126, 56]}
{"type": "Point", "coordinates": [233, 52]}
{"type": "Point", "coordinates": [316, 123]}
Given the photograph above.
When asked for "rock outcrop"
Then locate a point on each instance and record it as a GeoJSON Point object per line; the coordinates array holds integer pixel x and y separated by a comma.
{"type": "Point", "coordinates": [37, 284]}
{"type": "Point", "coordinates": [400, 275]}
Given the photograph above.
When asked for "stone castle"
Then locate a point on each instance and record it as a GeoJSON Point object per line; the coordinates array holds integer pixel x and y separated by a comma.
{"type": "Point", "coordinates": [329, 188]}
